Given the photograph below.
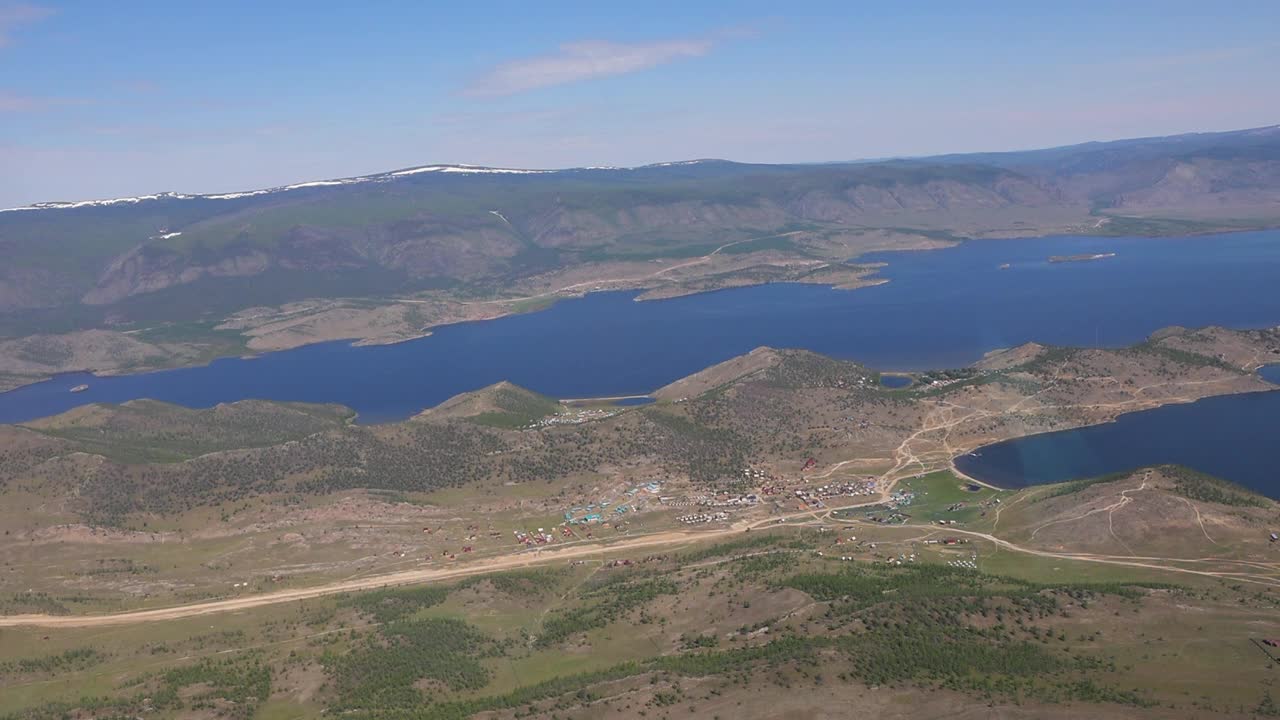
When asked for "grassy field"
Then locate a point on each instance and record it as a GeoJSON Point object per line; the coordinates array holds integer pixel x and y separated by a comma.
{"type": "Point", "coordinates": [943, 496]}
{"type": "Point", "coordinates": [1039, 636]}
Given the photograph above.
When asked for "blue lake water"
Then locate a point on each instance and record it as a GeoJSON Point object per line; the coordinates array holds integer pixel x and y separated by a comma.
{"type": "Point", "coordinates": [1233, 437]}
{"type": "Point", "coordinates": [941, 308]}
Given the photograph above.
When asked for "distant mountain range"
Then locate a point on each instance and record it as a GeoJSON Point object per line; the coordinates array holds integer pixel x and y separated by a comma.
{"type": "Point", "coordinates": [174, 256]}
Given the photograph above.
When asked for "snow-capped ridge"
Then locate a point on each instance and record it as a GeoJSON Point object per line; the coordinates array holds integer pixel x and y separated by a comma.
{"type": "Point", "coordinates": [468, 169]}
{"type": "Point", "coordinates": [62, 205]}
{"type": "Point", "coordinates": [375, 178]}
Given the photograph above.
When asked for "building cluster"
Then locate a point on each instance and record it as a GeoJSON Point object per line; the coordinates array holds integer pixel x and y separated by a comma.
{"type": "Point", "coordinates": [635, 498]}
{"type": "Point", "coordinates": [529, 539]}
{"type": "Point", "coordinates": [721, 500]}
{"type": "Point", "coordinates": [727, 500]}
{"type": "Point", "coordinates": [758, 476]}
{"type": "Point", "coordinates": [699, 518]}
{"type": "Point", "coordinates": [900, 498]}
{"type": "Point", "coordinates": [815, 495]}
{"type": "Point", "coordinates": [575, 417]}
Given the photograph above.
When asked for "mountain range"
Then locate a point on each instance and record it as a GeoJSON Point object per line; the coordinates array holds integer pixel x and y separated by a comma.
{"type": "Point", "coordinates": [175, 257]}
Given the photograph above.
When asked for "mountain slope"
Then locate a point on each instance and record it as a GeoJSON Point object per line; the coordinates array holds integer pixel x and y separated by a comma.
{"type": "Point", "coordinates": [462, 226]}
{"type": "Point", "coordinates": [1160, 174]}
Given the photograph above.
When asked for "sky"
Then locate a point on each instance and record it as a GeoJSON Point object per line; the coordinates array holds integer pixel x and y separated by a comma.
{"type": "Point", "coordinates": [103, 99]}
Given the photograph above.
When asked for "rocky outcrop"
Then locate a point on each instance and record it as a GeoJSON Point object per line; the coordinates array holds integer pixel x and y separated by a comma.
{"type": "Point", "coordinates": [146, 270]}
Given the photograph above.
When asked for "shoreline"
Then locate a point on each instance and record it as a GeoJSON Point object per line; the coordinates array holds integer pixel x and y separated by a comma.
{"type": "Point", "coordinates": [428, 331]}
{"type": "Point", "coordinates": [865, 275]}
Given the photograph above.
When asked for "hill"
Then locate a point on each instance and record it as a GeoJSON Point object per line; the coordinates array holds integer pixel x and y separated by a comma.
{"type": "Point", "coordinates": [1164, 511]}
{"type": "Point", "coordinates": [502, 404]}
{"type": "Point", "coordinates": [720, 374]}
{"type": "Point", "coordinates": [147, 430]}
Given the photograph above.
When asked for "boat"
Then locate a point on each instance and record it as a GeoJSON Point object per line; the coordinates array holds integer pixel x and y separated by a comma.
{"type": "Point", "coordinates": [79, 388]}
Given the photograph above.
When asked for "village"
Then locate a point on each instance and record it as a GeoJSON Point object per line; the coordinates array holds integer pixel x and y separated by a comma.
{"type": "Point", "coordinates": [644, 499]}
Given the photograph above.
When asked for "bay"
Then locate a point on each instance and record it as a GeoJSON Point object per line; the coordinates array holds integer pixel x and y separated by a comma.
{"type": "Point", "coordinates": [1231, 436]}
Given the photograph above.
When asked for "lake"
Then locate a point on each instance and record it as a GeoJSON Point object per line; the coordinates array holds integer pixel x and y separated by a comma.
{"type": "Point", "coordinates": [940, 308]}
{"type": "Point", "coordinates": [1232, 436]}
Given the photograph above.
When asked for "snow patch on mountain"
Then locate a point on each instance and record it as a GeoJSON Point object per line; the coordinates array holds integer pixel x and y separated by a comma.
{"type": "Point", "coordinates": [469, 170]}
{"type": "Point", "coordinates": [377, 178]}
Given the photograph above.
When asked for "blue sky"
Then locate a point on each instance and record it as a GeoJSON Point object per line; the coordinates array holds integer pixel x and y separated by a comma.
{"type": "Point", "coordinates": [105, 99]}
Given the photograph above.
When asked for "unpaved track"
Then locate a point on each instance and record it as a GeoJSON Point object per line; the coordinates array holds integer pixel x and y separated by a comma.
{"type": "Point", "coordinates": [406, 577]}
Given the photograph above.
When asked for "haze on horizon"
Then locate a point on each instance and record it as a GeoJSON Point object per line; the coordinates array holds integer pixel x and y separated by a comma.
{"type": "Point", "coordinates": [95, 102]}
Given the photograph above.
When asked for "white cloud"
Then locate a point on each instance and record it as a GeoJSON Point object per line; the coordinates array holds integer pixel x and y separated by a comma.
{"type": "Point", "coordinates": [13, 15]}
{"type": "Point", "coordinates": [583, 61]}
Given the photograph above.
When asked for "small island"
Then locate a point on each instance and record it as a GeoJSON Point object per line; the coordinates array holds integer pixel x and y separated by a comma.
{"type": "Point", "coordinates": [1080, 258]}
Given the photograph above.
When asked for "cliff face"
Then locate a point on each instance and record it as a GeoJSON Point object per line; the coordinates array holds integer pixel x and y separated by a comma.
{"type": "Point", "coordinates": [1207, 183]}
{"type": "Point", "coordinates": [144, 270]}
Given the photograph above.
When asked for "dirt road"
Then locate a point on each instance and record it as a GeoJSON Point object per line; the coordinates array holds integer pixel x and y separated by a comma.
{"type": "Point", "coordinates": [407, 577]}
{"type": "Point", "coordinates": [544, 557]}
